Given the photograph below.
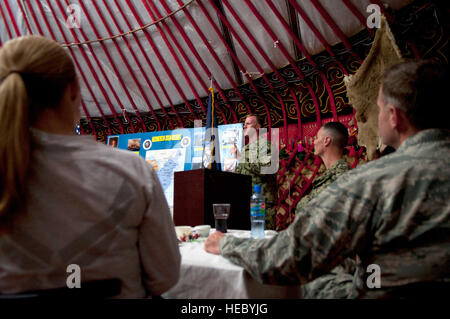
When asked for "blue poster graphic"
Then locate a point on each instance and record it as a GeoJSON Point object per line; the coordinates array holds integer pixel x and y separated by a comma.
{"type": "Point", "coordinates": [178, 150]}
{"type": "Point", "coordinates": [230, 137]}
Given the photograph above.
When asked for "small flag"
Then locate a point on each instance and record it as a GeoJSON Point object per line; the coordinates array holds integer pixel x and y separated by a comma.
{"type": "Point", "coordinates": [211, 159]}
{"type": "Point", "coordinates": [78, 129]}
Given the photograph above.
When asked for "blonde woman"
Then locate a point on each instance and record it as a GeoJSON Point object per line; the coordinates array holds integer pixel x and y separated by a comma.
{"type": "Point", "coordinates": [72, 209]}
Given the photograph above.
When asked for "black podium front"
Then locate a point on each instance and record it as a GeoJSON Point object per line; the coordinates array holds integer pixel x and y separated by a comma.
{"type": "Point", "coordinates": [195, 191]}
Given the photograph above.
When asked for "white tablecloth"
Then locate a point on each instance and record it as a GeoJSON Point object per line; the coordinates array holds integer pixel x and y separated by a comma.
{"type": "Point", "coordinates": [209, 276]}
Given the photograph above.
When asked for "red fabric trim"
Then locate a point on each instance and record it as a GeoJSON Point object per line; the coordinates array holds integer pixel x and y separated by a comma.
{"type": "Point", "coordinates": [316, 32]}
{"type": "Point", "coordinates": [33, 15]}
{"type": "Point", "coordinates": [299, 117]}
{"type": "Point", "coordinates": [358, 15]}
{"type": "Point", "coordinates": [73, 56]}
{"type": "Point", "coordinates": [175, 41]}
{"type": "Point", "coordinates": [252, 59]}
{"type": "Point", "coordinates": [312, 27]}
{"type": "Point", "coordinates": [283, 108]}
{"type": "Point", "coordinates": [11, 17]}
{"type": "Point", "coordinates": [306, 187]}
{"type": "Point", "coordinates": [187, 60]}
{"type": "Point", "coordinates": [161, 60]}
{"type": "Point", "coordinates": [299, 172]}
{"type": "Point", "coordinates": [414, 50]}
{"type": "Point", "coordinates": [200, 61]}
{"type": "Point", "coordinates": [214, 55]}
{"type": "Point", "coordinates": [255, 43]}
{"type": "Point", "coordinates": [24, 17]}
{"type": "Point", "coordinates": [330, 95]}
{"type": "Point", "coordinates": [355, 162]}
{"type": "Point", "coordinates": [230, 51]}
{"type": "Point", "coordinates": [316, 104]}
{"type": "Point", "coordinates": [88, 119]}
{"type": "Point", "coordinates": [336, 30]}
{"type": "Point", "coordinates": [6, 24]}
{"type": "Point", "coordinates": [307, 55]}
{"type": "Point", "coordinates": [133, 104]}
{"type": "Point", "coordinates": [158, 123]}
{"type": "Point", "coordinates": [244, 47]}
{"type": "Point", "coordinates": [141, 68]}
{"type": "Point", "coordinates": [99, 83]}
{"type": "Point", "coordinates": [292, 183]}
{"type": "Point", "coordinates": [286, 54]}
{"type": "Point", "coordinates": [149, 63]}
{"type": "Point", "coordinates": [110, 104]}
{"type": "Point", "coordinates": [289, 30]}
{"type": "Point", "coordinates": [285, 164]}
{"type": "Point", "coordinates": [177, 61]}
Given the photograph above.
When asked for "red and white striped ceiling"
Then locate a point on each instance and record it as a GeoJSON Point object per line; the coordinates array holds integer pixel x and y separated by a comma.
{"type": "Point", "coordinates": [137, 56]}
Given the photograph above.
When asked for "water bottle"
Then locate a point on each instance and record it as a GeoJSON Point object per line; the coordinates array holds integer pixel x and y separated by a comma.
{"type": "Point", "coordinates": [257, 213]}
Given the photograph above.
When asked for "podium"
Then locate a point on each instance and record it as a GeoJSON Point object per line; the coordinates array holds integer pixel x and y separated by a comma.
{"type": "Point", "coordinates": [195, 191]}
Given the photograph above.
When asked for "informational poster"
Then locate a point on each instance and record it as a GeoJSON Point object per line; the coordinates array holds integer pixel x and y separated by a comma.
{"type": "Point", "coordinates": [165, 163]}
{"type": "Point", "coordinates": [178, 150]}
{"type": "Point", "coordinates": [199, 141]}
{"type": "Point", "coordinates": [167, 151]}
{"type": "Point", "coordinates": [230, 138]}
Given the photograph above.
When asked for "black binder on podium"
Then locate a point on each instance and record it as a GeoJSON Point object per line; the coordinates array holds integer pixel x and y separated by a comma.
{"type": "Point", "coordinates": [195, 191]}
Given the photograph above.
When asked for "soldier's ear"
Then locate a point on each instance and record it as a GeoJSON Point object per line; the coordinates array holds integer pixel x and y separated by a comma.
{"type": "Point", "coordinates": [327, 140]}
{"type": "Point", "coordinates": [394, 117]}
{"type": "Point", "coordinates": [398, 120]}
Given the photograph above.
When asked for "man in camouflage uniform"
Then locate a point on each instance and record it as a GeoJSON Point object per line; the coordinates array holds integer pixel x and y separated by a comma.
{"type": "Point", "coordinates": [393, 212]}
{"type": "Point", "coordinates": [255, 155]}
{"type": "Point", "coordinates": [329, 145]}
{"type": "Point", "coordinates": [344, 280]}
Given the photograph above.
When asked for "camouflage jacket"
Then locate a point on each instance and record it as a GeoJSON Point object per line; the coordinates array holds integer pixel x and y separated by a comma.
{"type": "Point", "coordinates": [253, 158]}
{"type": "Point", "coordinates": [393, 212]}
{"type": "Point", "coordinates": [328, 177]}
{"type": "Point", "coordinates": [340, 282]}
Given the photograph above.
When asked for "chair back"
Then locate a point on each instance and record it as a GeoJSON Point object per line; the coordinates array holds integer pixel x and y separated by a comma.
{"type": "Point", "coordinates": [98, 289]}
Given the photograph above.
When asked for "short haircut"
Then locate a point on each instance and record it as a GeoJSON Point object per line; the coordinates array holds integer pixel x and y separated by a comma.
{"type": "Point", "coordinates": [419, 88]}
{"type": "Point", "coordinates": [338, 132]}
{"type": "Point", "coordinates": [256, 116]}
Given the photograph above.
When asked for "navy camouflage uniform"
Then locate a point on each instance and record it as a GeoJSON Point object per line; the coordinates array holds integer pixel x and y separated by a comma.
{"type": "Point", "coordinates": [253, 158]}
{"type": "Point", "coordinates": [344, 281]}
{"type": "Point", "coordinates": [322, 181]}
{"type": "Point", "coordinates": [393, 212]}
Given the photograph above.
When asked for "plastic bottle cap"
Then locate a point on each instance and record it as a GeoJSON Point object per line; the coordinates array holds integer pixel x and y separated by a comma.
{"type": "Point", "coordinates": [257, 188]}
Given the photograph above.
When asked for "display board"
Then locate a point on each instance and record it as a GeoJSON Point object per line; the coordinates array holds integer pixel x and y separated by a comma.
{"type": "Point", "coordinates": [230, 136]}
{"type": "Point", "coordinates": [179, 150]}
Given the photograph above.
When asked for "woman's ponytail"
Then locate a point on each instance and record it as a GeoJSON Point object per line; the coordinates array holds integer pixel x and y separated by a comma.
{"type": "Point", "coordinates": [15, 148]}
{"type": "Point", "coordinates": [34, 73]}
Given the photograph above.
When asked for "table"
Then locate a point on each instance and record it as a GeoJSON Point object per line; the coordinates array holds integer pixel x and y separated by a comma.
{"type": "Point", "coordinates": [209, 276]}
